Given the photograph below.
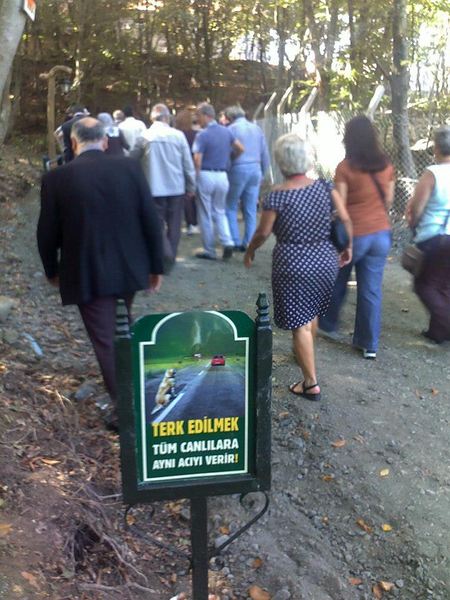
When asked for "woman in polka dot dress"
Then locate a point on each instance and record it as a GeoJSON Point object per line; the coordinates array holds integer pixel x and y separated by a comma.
{"type": "Point", "coordinates": [304, 261]}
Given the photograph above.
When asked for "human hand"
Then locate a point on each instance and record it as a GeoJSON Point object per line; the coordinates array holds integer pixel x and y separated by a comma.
{"type": "Point", "coordinates": [345, 257]}
{"type": "Point", "coordinates": [249, 257]}
{"type": "Point", "coordinates": [154, 283]}
{"type": "Point", "coordinates": [409, 216]}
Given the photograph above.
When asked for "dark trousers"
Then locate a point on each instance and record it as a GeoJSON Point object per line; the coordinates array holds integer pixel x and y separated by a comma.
{"type": "Point", "coordinates": [99, 318]}
{"type": "Point", "coordinates": [433, 285]}
{"type": "Point", "coordinates": [170, 209]}
{"type": "Point", "coordinates": [190, 210]}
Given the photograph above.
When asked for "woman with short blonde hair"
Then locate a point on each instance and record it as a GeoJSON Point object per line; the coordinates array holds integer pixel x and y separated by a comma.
{"type": "Point", "coordinates": [304, 261]}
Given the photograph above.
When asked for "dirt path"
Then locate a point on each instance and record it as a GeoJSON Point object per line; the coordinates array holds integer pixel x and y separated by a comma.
{"type": "Point", "coordinates": [374, 452]}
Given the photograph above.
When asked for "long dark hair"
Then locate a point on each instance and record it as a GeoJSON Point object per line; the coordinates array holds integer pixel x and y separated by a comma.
{"type": "Point", "coordinates": [362, 147]}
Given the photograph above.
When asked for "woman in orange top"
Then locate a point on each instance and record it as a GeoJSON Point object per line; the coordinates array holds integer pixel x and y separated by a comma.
{"type": "Point", "coordinates": [365, 180]}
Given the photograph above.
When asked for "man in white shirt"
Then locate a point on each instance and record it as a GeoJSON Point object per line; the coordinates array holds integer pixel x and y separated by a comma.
{"type": "Point", "coordinates": [132, 128]}
{"type": "Point", "coordinates": [168, 166]}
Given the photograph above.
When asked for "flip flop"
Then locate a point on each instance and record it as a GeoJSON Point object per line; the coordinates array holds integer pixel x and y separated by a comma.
{"type": "Point", "coordinates": [304, 392]}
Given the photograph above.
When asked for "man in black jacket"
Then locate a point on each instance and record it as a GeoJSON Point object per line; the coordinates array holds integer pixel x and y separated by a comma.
{"type": "Point", "coordinates": [78, 112]}
{"type": "Point", "coordinates": [99, 236]}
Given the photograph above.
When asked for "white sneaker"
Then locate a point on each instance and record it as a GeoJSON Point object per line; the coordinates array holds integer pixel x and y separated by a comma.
{"type": "Point", "coordinates": [369, 354]}
{"type": "Point", "coordinates": [192, 229]}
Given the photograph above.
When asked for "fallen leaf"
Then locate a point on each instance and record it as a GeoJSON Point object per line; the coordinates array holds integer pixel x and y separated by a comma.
{"type": "Point", "coordinates": [283, 414]}
{"type": "Point", "coordinates": [434, 391]}
{"type": "Point", "coordinates": [5, 529]}
{"type": "Point", "coordinates": [377, 591]}
{"type": "Point", "coordinates": [257, 563]}
{"type": "Point", "coordinates": [224, 530]}
{"type": "Point", "coordinates": [386, 527]}
{"type": "Point", "coordinates": [355, 580]}
{"type": "Point", "coordinates": [363, 525]}
{"type": "Point", "coordinates": [30, 578]}
{"type": "Point", "coordinates": [327, 477]}
{"type": "Point", "coordinates": [130, 520]}
{"type": "Point", "coordinates": [386, 586]}
{"type": "Point", "coordinates": [339, 443]}
{"type": "Point", "coordinates": [257, 593]}
{"type": "Point", "coordinates": [50, 461]}
{"type": "Point", "coordinates": [384, 472]}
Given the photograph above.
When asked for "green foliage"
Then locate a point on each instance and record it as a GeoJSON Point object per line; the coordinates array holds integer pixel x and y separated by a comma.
{"type": "Point", "coordinates": [148, 47]}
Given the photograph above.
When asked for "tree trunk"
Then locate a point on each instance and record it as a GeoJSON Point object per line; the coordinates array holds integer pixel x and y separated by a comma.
{"type": "Point", "coordinates": [400, 89]}
{"type": "Point", "coordinates": [12, 23]}
{"type": "Point", "coordinates": [282, 38]}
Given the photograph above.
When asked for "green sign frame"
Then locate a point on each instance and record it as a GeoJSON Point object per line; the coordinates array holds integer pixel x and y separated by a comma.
{"type": "Point", "coordinates": [194, 404]}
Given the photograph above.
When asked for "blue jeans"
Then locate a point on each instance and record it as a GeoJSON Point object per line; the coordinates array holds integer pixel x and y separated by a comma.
{"type": "Point", "coordinates": [369, 258]}
{"type": "Point", "coordinates": [245, 180]}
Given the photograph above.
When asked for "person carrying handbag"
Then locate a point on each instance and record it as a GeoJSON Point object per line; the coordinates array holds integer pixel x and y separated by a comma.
{"type": "Point", "coordinates": [428, 212]}
{"type": "Point", "coordinates": [365, 180]}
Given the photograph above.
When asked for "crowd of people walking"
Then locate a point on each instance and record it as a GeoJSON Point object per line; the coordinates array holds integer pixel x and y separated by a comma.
{"type": "Point", "coordinates": [130, 186]}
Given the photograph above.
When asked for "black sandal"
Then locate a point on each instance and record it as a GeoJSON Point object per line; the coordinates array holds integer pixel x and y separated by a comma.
{"type": "Point", "coordinates": [304, 392]}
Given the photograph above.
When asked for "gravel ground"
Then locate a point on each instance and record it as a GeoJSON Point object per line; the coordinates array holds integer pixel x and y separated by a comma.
{"type": "Point", "coordinates": [359, 506]}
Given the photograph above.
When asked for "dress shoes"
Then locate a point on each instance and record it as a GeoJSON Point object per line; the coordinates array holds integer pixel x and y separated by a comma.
{"type": "Point", "coordinates": [227, 252]}
{"type": "Point", "coordinates": [205, 256]}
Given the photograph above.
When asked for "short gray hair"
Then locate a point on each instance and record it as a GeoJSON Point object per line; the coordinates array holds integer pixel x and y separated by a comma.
{"type": "Point", "coordinates": [88, 134]}
{"type": "Point", "coordinates": [442, 139]}
{"type": "Point", "coordinates": [234, 112]}
{"type": "Point", "coordinates": [160, 112]}
{"type": "Point", "coordinates": [118, 115]}
{"type": "Point", "coordinates": [292, 154]}
{"type": "Point", "coordinates": [204, 108]}
{"type": "Point", "coordinates": [105, 118]}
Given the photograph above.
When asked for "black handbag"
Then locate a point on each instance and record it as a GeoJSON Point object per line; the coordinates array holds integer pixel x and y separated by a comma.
{"type": "Point", "coordinates": [338, 233]}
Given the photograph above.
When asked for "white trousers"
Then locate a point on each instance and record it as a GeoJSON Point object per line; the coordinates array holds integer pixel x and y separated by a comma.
{"type": "Point", "coordinates": [212, 189]}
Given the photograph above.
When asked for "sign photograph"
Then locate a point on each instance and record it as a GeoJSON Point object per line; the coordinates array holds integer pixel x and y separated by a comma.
{"type": "Point", "coordinates": [193, 402]}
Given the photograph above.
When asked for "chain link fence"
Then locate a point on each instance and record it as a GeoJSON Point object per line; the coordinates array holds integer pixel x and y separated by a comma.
{"type": "Point", "coordinates": [325, 132]}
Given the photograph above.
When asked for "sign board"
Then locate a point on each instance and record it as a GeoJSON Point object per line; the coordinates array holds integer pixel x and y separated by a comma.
{"type": "Point", "coordinates": [189, 423]}
{"type": "Point", "coordinates": [29, 6]}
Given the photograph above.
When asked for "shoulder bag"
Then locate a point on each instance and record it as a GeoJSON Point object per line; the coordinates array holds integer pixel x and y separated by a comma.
{"type": "Point", "coordinates": [413, 257]}
{"type": "Point", "coordinates": [338, 233]}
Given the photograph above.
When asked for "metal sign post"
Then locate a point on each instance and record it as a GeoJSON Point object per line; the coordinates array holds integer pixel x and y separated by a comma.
{"type": "Point", "coordinates": [199, 546]}
{"type": "Point", "coordinates": [194, 413]}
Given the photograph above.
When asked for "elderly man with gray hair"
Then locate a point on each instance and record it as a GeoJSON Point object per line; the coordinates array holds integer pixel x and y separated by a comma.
{"type": "Point", "coordinates": [212, 149]}
{"type": "Point", "coordinates": [167, 163]}
{"type": "Point", "coordinates": [99, 237]}
{"type": "Point", "coordinates": [246, 173]}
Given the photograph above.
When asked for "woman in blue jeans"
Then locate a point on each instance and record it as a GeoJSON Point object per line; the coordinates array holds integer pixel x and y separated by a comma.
{"type": "Point", "coordinates": [365, 180]}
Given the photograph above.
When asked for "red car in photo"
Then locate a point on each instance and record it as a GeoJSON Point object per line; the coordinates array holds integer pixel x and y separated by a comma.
{"type": "Point", "coordinates": [218, 360]}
